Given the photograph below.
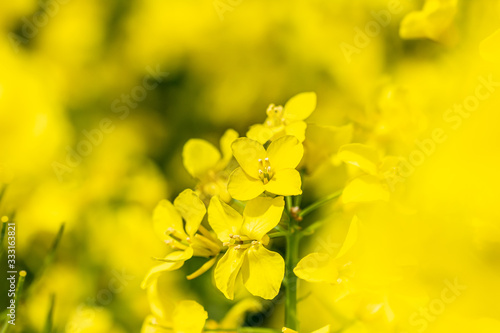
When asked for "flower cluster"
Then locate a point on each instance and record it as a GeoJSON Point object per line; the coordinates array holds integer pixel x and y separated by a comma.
{"type": "Point", "coordinates": [236, 211]}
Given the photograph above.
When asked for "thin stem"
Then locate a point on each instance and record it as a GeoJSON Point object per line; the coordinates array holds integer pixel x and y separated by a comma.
{"type": "Point", "coordinates": [292, 253]}
{"type": "Point", "coordinates": [311, 208]}
{"type": "Point", "coordinates": [277, 234]}
{"type": "Point", "coordinates": [289, 203]}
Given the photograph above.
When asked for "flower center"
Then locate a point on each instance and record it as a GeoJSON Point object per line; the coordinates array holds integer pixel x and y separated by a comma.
{"type": "Point", "coordinates": [275, 115]}
{"type": "Point", "coordinates": [265, 171]}
{"type": "Point", "coordinates": [240, 242]}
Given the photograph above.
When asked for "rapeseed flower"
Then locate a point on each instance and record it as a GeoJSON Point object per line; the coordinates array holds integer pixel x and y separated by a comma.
{"type": "Point", "coordinates": [245, 236]}
{"type": "Point", "coordinates": [271, 170]}
{"type": "Point", "coordinates": [206, 164]}
{"type": "Point", "coordinates": [370, 185]}
{"type": "Point", "coordinates": [287, 120]}
{"type": "Point", "coordinates": [179, 225]}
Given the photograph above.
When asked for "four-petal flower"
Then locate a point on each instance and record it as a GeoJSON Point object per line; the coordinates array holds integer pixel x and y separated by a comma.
{"type": "Point", "coordinates": [261, 270]}
{"type": "Point", "coordinates": [271, 170]}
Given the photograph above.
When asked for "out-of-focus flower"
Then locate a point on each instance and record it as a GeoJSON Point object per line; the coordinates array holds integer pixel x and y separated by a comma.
{"type": "Point", "coordinates": [322, 144]}
{"type": "Point", "coordinates": [174, 316]}
{"type": "Point", "coordinates": [262, 270]}
{"type": "Point", "coordinates": [271, 170]}
{"type": "Point", "coordinates": [369, 186]}
{"type": "Point", "coordinates": [434, 21]}
{"type": "Point", "coordinates": [324, 267]}
{"type": "Point", "coordinates": [188, 317]}
{"type": "Point", "coordinates": [187, 239]}
{"type": "Point", "coordinates": [288, 120]}
{"type": "Point", "coordinates": [204, 162]}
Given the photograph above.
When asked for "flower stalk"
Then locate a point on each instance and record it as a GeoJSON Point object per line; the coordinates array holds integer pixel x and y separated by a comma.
{"type": "Point", "coordinates": [291, 260]}
{"type": "Point", "coordinates": [311, 208]}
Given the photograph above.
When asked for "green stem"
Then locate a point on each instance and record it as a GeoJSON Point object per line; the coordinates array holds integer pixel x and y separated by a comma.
{"type": "Point", "coordinates": [292, 253]}
{"type": "Point", "coordinates": [277, 234]}
{"type": "Point", "coordinates": [311, 208]}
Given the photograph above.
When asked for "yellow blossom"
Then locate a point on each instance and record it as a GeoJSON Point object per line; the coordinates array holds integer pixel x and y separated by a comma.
{"type": "Point", "coordinates": [271, 170]}
{"type": "Point", "coordinates": [260, 269]}
{"type": "Point", "coordinates": [434, 21]}
{"type": "Point", "coordinates": [288, 120]}
{"type": "Point", "coordinates": [205, 163]}
{"type": "Point", "coordinates": [188, 317]}
{"type": "Point", "coordinates": [323, 267]}
{"type": "Point", "coordinates": [179, 225]}
{"type": "Point", "coordinates": [369, 185]}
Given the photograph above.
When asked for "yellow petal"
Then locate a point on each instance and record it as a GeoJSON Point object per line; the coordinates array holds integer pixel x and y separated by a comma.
{"type": "Point", "coordinates": [155, 272]}
{"type": "Point", "coordinates": [223, 219]}
{"type": "Point", "coordinates": [150, 325]}
{"type": "Point", "coordinates": [225, 146]}
{"type": "Point", "coordinates": [350, 238]}
{"type": "Point", "coordinates": [432, 22]}
{"type": "Point", "coordinates": [323, 143]}
{"type": "Point", "coordinates": [261, 215]}
{"type": "Point", "coordinates": [297, 129]}
{"type": "Point", "coordinates": [260, 133]}
{"type": "Point", "coordinates": [324, 329]}
{"type": "Point", "coordinates": [317, 267]}
{"type": "Point", "coordinates": [288, 330]}
{"type": "Point", "coordinates": [166, 216]}
{"type": "Point", "coordinates": [365, 189]}
{"type": "Point", "coordinates": [263, 272]}
{"type": "Point", "coordinates": [199, 156]}
{"type": "Point", "coordinates": [179, 255]}
{"type": "Point", "coordinates": [191, 208]}
{"type": "Point", "coordinates": [300, 106]}
{"type": "Point", "coordinates": [285, 153]}
{"type": "Point", "coordinates": [285, 182]}
{"type": "Point", "coordinates": [490, 48]}
{"type": "Point", "coordinates": [189, 317]}
{"type": "Point", "coordinates": [248, 152]}
{"type": "Point", "coordinates": [227, 270]}
{"type": "Point", "coordinates": [364, 157]}
{"type": "Point", "coordinates": [205, 267]}
{"type": "Point", "coordinates": [243, 187]}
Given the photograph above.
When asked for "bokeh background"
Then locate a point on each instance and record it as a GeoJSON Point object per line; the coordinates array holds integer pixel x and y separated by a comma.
{"type": "Point", "coordinates": [137, 79]}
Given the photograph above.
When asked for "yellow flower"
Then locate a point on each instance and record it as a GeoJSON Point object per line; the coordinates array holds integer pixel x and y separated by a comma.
{"type": "Point", "coordinates": [204, 162]}
{"type": "Point", "coordinates": [260, 170]}
{"type": "Point", "coordinates": [187, 239]}
{"type": "Point", "coordinates": [434, 21]}
{"type": "Point", "coordinates": [288, 120]}
{"type": "Point", "coordinates": [261, 270]}
{"type": "Point", "coordinates": [323, 267]}
{"type": "Point", "coordinates": [323, 143]}
{"type": "Point", "coordinates": [369, 186]}
{"type": "Point", "coordinates": [188, 317]}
